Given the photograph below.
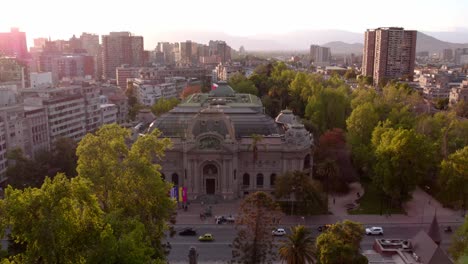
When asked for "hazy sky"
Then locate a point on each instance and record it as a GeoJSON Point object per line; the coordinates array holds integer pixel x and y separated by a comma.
{"type": "Point", "coordinates": [62, 18]}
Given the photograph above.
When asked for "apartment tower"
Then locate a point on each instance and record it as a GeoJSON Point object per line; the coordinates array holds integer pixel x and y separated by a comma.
{"type": "Point", "coordinates": [389, 53]}
{"type": "Point", "coordinates": [121, 48]}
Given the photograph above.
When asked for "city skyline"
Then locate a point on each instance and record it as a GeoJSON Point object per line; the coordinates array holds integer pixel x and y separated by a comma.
{"type": "Point", "coordinates": [242, 18]}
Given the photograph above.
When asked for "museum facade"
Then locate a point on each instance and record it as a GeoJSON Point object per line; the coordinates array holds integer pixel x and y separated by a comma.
{"type": "Point", "coordinates": [215, 150]}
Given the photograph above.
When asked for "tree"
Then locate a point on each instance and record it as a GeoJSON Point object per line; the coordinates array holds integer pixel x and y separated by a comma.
{"type": "Point", "coordinates": [350, 74]}
{"type": "Point", "coordinates": [441, 103]}
{"type": "Point", "coordinates": [402, 159]}
{"type": "Point", "coordinates": [340, 244]}
{"type": "Point", "coordinates": [328, 109]}
{"type": "Point", "coordinates": [127, 183]}
{"type": "Point", "coordinates": [459, 247]}
{"type": "Point", "coordinates": [64, 156]}
{"type": "Point", "coordinates": [453, 178]}
{"type": "Point", "coordinates": [257, 218]}
{"type": "Point", "coordinates": [306, 192]}
{"type": "Point", "coordinates": [329, 173]}
{"type": "Point", "coordinates": [461, 108]}
{"type": "Point", "coordinates": [298, 247]}
{"type": "Point", "coordinates": [164, 105]}
{"type": "Point", "coordinates": [360, 125]}
{"type": "Point", "coordinates": [241, 84]}
{"type": "Point", "coordinates": [61, 222]}
{"type": "Point", "coordinates": [24, 172]}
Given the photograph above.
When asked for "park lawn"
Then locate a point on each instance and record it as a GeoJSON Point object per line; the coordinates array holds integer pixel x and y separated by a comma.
{"type": "Point", "coordinates": [370, 202]}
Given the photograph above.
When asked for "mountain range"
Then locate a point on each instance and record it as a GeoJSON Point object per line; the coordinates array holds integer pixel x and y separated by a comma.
{"type": "Point", "coordinates": [339, 41]}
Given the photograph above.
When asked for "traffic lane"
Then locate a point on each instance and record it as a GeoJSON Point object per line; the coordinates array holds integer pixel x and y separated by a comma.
{"type": "Point", "coordinates": [221, 249]}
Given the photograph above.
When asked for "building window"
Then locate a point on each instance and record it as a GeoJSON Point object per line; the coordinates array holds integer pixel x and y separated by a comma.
{"type": "Point", "coordinates": [272, 179]}
{"type": "Point", "coordinates": [246, 180]}
{"type": "Point", "coordinates": [175, 179]}
{"type": "Point", "coordinates": [307, 162]}
{"type": "Point", "coordinates": [259, 180]}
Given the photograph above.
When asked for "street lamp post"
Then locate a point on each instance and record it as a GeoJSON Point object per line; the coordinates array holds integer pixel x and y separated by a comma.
{"type": "Point", "coordinates": [424, 206]}
{"type": "Point", "coordinates": [293, 196]}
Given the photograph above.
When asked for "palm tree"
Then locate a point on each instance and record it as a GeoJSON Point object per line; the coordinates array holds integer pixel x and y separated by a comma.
{"type": "Point", "coordinates": [299, 247]}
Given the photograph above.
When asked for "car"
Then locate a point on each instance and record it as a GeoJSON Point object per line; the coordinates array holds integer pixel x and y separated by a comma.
{"type": "Point", "coordinates": [279, 232]}
{"type": "Point", "coordinates": [224, 219]}
{"type": "Point", "coordinates": [375, 230]}
{"type": "Point", "coordinates": [206, 238]}
{"type": "Point", "coordinates": [323, 228]}
{"type": "Point", "coordinates": [188, 232]}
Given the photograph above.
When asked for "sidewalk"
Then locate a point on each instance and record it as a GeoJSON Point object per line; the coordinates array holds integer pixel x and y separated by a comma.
{"type": "Point", "coordinates": [419, 210]}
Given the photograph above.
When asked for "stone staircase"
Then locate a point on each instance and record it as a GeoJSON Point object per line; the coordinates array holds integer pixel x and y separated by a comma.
{"type": "Point", "coordinates": [209, 199]}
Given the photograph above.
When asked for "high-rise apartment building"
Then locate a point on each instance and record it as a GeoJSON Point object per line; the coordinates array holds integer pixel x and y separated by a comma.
{"type": "Point", "coordinates": [90, 43]}
{"type": "Point", "coordinates": [13, 44]}
{"type": "Point", "coordinates": [394, 52]}
{"type": "Point", "coordinates": [121, 48]}
{"type": "Point", "coordinates": [320, 55]}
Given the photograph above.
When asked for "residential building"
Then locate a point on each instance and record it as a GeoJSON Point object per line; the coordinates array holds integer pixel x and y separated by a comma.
{"type": "Point", "coordinates": [116, 96]}
{"type": "Point", "coordinates": [90, 43]}
{"type": "Point", "coordinates": [447, 55]}
{"type": "Point", "coordinates": [121, 48]}
{"type": "Point", "coordinates": [224, 72]}
{"type": "Point", "coordinates": [65, 112]}
{"type": "Point", "coordinates": [148, 92]}
{"type": "Point", "coordinates": [321, 56]}
{"type": "Point", "coordinates": [461, 56]}
{"type": "Point", "coordinates": [41, 79]}
{"type": "Point", "coordinates": [394, 52]}
{"type": "Point", "coordinates": [12, 116]}
{"type": "Point", "coordinates": [108, 114]}
{"type": "Point", "coordinates": [125, 72]}
{"type": "Point", "coordinates": [13, 44]}
{"type": "Point", "coordinates": [3, 152]}
{"type": "Point", "coordinates": [37, 132]}
{"type": "Point", "coordinates": [212, 136]}
{"type": "Point", "coordinates": [14, 71]}
{"type": "Point", "coordinates": [458, 94]}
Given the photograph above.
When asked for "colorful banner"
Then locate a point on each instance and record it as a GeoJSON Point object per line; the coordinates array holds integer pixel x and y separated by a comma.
{"type": "Point", "coordinates": [184, 194]}
{"type": "Point", "coordinates": [180, 194]}
{"type": "Point", "coordinates": [175, 193]}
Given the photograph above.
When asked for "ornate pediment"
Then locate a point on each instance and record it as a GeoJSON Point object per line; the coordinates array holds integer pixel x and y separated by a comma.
{"type": "Point", "coordinates": [209, 143]}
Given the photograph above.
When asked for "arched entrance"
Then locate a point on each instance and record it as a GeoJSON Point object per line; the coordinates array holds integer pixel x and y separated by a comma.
{"type": "Point", "coordinates": [210, 178]}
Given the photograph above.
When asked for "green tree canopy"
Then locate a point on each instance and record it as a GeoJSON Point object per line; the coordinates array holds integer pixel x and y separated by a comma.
{"type": "Point", "coordinates": [61, 222]}
{"type": "Point", "coordinates": [453, 178]}
{"type": "Point", "coordinates": [307, 192]}
{"type": "Point", "coordinates": [127, 183]}
{"type": "Point", "coordinates": [164, 105]}
{"type": "Point", "coordinates": [241, 84]}
{"type": "Point", "coordinates": [402, 160]}
{"type": "Point", "coordinates": [340, 244]}
{"type": "Point", "coordinates": [328, 109]}
{"type": "Point", "coordinates": [459, 247]}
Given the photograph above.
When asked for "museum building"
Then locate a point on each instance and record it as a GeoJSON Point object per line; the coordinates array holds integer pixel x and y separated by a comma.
{"type": "Point", "coordinates": [214, 136]}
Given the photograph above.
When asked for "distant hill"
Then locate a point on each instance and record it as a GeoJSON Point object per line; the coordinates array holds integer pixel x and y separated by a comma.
{"type": "Point", "coordinates": [431, 44]}
{"type": "Point", "coordinates": [339, 47]}
{"type": "Point", "coordinates": [338, 40]}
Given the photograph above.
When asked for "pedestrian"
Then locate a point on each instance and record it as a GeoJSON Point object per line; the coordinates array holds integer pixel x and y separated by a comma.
{"type": "Point", "coordinates": [333, 200]}
{"type": "Point", "coordinates": [358, 195]}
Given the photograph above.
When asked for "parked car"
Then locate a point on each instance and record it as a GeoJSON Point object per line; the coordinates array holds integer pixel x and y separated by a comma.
{"type": "Point", "coordinates": [188, 232]}
{"type": "Point", "coordinates": [224, 219]}
{"type": "Point", "coordinates": [206, 238]}
{"type": "Point", "coordinates": [375, 230]}
{"type": "Point", "coordinates": [323, 228]}
{"type": "Point", "coordinates": [279, 232]}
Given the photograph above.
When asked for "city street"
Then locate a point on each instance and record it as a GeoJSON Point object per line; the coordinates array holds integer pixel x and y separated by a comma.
{"type": "Point", "coordinates": [220, 250]}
